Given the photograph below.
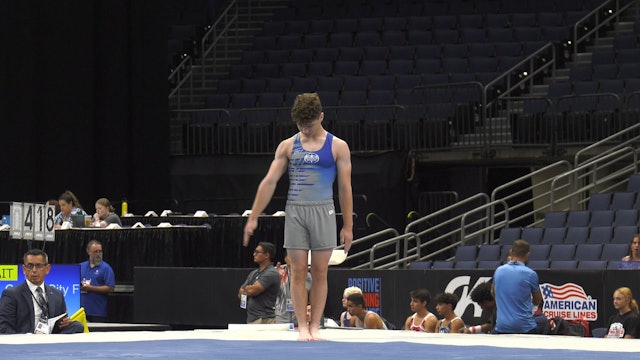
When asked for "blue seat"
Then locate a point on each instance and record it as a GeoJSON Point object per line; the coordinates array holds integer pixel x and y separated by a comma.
{"type": "Point", "coordinates": [634, 183]}
{"type": "Point", "coordinates": [539, 251]}
{"type": "Point", "coordinates": [578, 218]}
{"type": "Point", "coordinates": [319, 68]}
{"type": "Point", "coordinates": [555, 235]}
{"type": "Point", "coordinates": [330, 83]}
{"type": "Point", "coordinates": [401, 52]}
{"type": "Point", "coordinates": [419, 37]}
{"type": "Point", "coordinates": [229, 86]}
{"type": "Point", "coordinates": [396, 23]}
{"type": "Point", "coordinates": [599, 201]}
{"type": "Point", "coordinates": [613, 264]}
{"type": "Point", "coordinates": [588, 252]}
{"type": "Point", "coordinates": [304, 84]}
{"type": "Point", "coordinates": [381, 82]}
{"type": "Point", "coordinates": [489, 252]}
{"type": "Point", "coordinates": [599, 332]}
{"type": "Point", "coordinates": [563, 264]}
{"type": "Point", "coordinates": [626, 217]}
{"type": "Point", "coordinates": [533, 235]}
{"type": "Point", "coordinates": [538, 264]}
{"type": "Point", "coordinates": [401, 67]}
{"type": "Point", "coordinates": [293, 69]}
{"type": "Point", "coordinates": [420, 265]}
{"type": "Point", "coordinates": [605, 72]}
{"type": "Point", "coordinates": [488, 264]}
{"type": "Point", "coordinates": [466, 252]}
{"type": "Point", "coordinates": [355, 83]}
{"type": "Point", "coordinates": [622, 200]}
{"type": "Point", "coordinates": [465, 264]}
{"type": "Point", "coordinates": [592, 264]}
{"type": "Point", "coordinates": [282, 85]}
{"type": "Point", "coordinates": [504, 252]}
{"type": "Point", "coordinates": [602, 218]}
{"type": "Point", "coordinates": [351, 53]}
{"type": "Point", "coordinates": [576, 235]}
{"type": "Point", "coordinates": [376, 53]}
{"type": "Point", "coordinates": [373, 67]}
{"type": "Point", "coordinates": [554, 219]}
{"type": "Point", "coordinates": [367, 38]}
{"type": "Point", "coordinates": [509, 235]}
{"type": "Point", "coordinates": [326, 54]}
{"type": "Point", "coordinates": [614, 251]}
{"type": "Point", "coordinates": [623, 234]}
{"type": "Point", "coordinates": [346, 68]}
{"type": "Point", "coordinates": [442, 264]}
{"type": "Point", "coordinates": [562, 252]}
{"type": "Point", "coordinates": [600, 235]}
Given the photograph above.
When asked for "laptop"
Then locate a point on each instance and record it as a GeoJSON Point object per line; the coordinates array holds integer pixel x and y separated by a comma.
{"type": "Point", "coordinates": [77, 221]}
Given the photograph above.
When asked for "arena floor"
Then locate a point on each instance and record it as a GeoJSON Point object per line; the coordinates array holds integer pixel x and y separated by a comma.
{"type": "Point", "coordinates": [278, 342]}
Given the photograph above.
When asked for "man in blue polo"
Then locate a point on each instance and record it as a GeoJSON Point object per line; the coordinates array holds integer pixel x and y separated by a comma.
{"type": "Point", "coordinates": [516, 288]}
{"type": "Point", "coordinates": [98, 281]}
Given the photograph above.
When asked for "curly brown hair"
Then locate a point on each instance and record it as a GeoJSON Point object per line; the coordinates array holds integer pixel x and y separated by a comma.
{"type": "Point", "coordinates": [306, 108]}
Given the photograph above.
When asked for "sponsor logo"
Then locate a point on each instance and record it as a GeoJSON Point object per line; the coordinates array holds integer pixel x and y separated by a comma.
{"type": "Point", "coordinates": [371, 291]}
{"type": "Point", "coordinates": [568, 301]}
{"type": "Point", "coordinates": [465, 301]}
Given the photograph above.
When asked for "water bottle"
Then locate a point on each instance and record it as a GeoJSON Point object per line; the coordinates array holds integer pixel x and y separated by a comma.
{"type": "Point", "coordinates": [125, 207]}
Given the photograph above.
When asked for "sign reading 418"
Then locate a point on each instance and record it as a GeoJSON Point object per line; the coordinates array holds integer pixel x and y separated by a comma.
{"type": "Point", "coordinates": [32, 221]}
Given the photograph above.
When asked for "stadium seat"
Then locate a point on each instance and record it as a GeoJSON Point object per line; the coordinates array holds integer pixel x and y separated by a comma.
{"type": "Point", "coordinates": [588, 252]}
{"type": "Point", "coordinates": [509, 235]}
{"type": "Point", "coordinates": [533, 235]}
{"type": "Point", "coordinates": [614, 251]}
{"type": "Point", "coordinates": [576, 235]}
{"type": "Point", "coordinates": [562, 252]}
{"type": "Point", "coordinates": [555, 235]}
{"type": "Point", "coordinates": [554, 219]}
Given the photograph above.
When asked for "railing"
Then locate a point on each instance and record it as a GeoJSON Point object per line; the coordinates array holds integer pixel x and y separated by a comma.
{"type": "Point", "coordinates": [439, 238]}
{"type": "Point", "coordinates": [219, 35]}
{"type": "Point", "coordinates": [386, 235]}
{"type": "Point", "coordinates": [602, 174]}
{"type": "Point", "coordinates": [592, 23]}
{"type": "Point", "coordinates": [523, 213]}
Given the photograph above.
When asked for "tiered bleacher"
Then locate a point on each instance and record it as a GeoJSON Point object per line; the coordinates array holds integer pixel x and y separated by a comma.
{"type": "Point", "coordinates": [366, 60]}
{"type": "Point", "coordinates": [596, 238]}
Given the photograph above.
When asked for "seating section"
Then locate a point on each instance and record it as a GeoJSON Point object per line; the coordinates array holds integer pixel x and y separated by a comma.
{"type": "Point", "coordinates": [433, 42]}
{"type": "Point", "coordinates": [597, 238]}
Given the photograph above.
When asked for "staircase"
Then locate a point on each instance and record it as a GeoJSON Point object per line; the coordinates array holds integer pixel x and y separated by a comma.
{"type": "Point", "coordinates": [222, 46]}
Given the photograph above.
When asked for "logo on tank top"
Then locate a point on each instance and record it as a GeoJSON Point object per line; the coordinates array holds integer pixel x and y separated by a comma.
{"type": "Point", "coordinates": [311, 158]}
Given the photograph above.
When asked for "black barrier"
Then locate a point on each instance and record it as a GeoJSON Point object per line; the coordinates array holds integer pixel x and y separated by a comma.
{"type": "Point", "coordinates": [207, 297]}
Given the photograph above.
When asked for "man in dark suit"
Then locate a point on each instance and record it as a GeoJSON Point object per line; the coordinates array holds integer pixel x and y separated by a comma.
{"type": "Point", "coordinates": [24, 306]}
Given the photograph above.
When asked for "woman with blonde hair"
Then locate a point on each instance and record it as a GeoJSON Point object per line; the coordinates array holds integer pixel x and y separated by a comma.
{"type": "Point", "coordinates": [345, 317]}
{"type": "Point", "coordinates": [105, 214]}
{"type": "Point", "coordinates": [623, 325]}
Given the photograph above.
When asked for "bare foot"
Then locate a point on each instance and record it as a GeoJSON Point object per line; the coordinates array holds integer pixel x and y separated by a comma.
{"type": "Point", "coordinates": [315, 334]}
{"type": "Point", "coordinates": [304, 334]}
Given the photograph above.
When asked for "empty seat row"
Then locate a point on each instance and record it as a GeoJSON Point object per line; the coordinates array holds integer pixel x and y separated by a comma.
{"type": "Point", "coordinates": [534, 264]}
{"type": "Point", "coordinates": [414, 37]}
{"type": "Point", "coordinates": [604, 71]}
{"type": "Point", "coordinates": [392, 52]}
{"type": "Point", "coordinates": [620, 217]}
{"type": "Point", "coordinates": [570, 235]}
{"type": "Point", "coordinates": [411, 23]}
{"type": "Point", "coordinates": [579, 252]}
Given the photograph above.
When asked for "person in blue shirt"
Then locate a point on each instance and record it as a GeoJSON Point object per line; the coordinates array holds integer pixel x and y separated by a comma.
{"type": "Point", "coordinates": [98, 281]}
{"type": "Point", "coordinates": [69, 205]}
{"type": "Point", "coordinates": [515, 289]}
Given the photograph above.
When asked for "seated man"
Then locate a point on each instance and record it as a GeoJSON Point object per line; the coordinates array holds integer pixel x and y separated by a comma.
{"type": "Point", "coordinates": [27, 307]}
{"type": "Point", "coordinates": [481, 295]}
{"type": "Point", "coordinates": [360, 316]}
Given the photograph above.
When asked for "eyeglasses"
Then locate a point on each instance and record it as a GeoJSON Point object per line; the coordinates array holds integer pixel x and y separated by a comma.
{"type": "Point", "coordinates": [37, 266]}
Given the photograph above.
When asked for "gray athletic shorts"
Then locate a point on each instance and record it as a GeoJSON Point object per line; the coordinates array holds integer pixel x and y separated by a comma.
{"type": "Point", "coordinates": [310, 225]}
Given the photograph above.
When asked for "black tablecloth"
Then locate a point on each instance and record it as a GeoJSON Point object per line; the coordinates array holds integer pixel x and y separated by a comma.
{"type": "Point", "coordinates": [201, 242]}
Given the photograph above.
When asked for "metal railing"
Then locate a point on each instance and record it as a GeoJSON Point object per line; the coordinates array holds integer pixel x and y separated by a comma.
{"type": "Point", "coordinates": [590, 26]}
{"type": "Point", "coordinates": [602, 174]}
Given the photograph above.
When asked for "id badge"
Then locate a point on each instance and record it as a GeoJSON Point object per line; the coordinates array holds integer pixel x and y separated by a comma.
{"type": "Point", "coordinates": [243, 301]}
{"type": "Point", "coordinates": [290, 305]}
{"type": "Point", "coordinates": [42, 327]}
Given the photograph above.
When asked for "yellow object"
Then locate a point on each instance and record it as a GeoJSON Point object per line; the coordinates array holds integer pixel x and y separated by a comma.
{"type": "Point", "coordinates": [125, 207]}
{"type": "Point", "coordinates": [82, 318]}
